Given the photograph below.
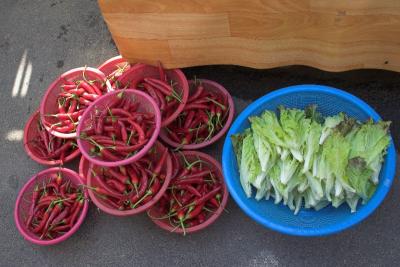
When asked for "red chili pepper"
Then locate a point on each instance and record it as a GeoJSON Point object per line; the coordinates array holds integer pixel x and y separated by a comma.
{"type": "Point", "coordinates": [68, 116]}
{"type": "Point", "coordinates": [87, 87]}
{"type": "Point", "coordinates": [61, 228]}
{"type": "Point", "coordinates": [110, 142]}
{"type": "Point", "coordinates": [116, 101]}
{"type": "Point", "coordinates": [190, 181]}
{"type": "Point", "coordinates": [196, 106]}
{"type": "Point", "coordinates": [120, 112]}
{"type": "Point", "coordinates": [76, 212]}
{"type": "Point", "coordinates": [189, 118]}
{"type": "Point", "coordinates": [56, 210]}
{"type": "Point", "coordinates": [138, 129]}
{"type": "Point", "coordinates": [76, 91]}
{"type": "Point", "coordinates": [162, 100]}
{"type": "Point", "coordinates": [162, 86]}
{"type": "Point", "coordinates": [134, 179]}
{"type": "Point", "coordinates": [90, 97]}
{"type": "Point", "coordinates": [198, 92]}
{"type": "Point", "coordinates": [201, 217]}
{"type": "Point", "coordinates": [61, 107]}
{"type": "Point", "coordinates": [150, 131]}
{"type": "Point", "coordinates": [108, 155]}
{"type": "Point", "coordinates": [64, 147]}
{"type": "Point", "coordinates": [142, 189]}
{"type": "Point", "coordinates": [97, 89]}
{"type": "Point", "coordinates": [124, 179]}
{"type": "Point", "coordinates": [150, 193]}
{"type": "Point", "coordinates": [43, 134]}
{"type": "Point", "coordinates": [68, 86]}
{"type": "Point", "coordinates": [152, 93]}
{"type": "Point", "coordinates": [195, 212]}
{"type": "Point", "coordinates": [120, 187]}
{"type": "Point", "coordinates": [34, 199]}
{"type": "Point", "coordinates": [124, 133]}
{"type": "Point", "coordinates": [58, 179]}
{"type": "Point", "coordinates": [214, 202]}
{"type": "Point", "coordinates": [207, 196]}
{"type": "Point", "coordinates": [104, 189]}
{"type": "Point", "coordinates": [53, 185]}
{"type": "Point", "coordinates": [173, 135]}
{"type": "Point", "coordinates": [66, 82]}
{"type": "Point", "coordinates": [61, 216]}
{"type": "Point", "coordinates": [64, 129]}
{"type": "Point", "coordinates": [44, 220]}
{"type": "Point", "coordinates": [161, 72]}
{"type": "Point", "coordinates": [84, 101]}
{"type": "Point", "coordinates": [161, 161]}
{"type": "Point", "coordinates": [189, 188]}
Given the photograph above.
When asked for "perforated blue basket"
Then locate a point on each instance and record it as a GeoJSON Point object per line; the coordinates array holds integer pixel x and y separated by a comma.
{"type": "Point", "coordinates": [307, 222]}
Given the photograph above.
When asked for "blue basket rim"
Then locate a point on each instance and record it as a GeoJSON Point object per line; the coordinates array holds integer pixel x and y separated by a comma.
{"type": "Point", "coordinates": [359, 215]}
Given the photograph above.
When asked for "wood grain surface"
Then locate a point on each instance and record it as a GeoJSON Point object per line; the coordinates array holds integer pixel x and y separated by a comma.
{"type": "Point", "coordinates": [331, 35]}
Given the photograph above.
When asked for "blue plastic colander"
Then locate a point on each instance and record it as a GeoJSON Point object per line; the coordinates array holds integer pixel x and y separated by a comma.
{"type": "Point", "coordinates": [307, 222]}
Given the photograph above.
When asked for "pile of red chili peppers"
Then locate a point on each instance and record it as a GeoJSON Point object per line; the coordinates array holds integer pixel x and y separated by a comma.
{"type": "Point", "coordinates": [119, 130]}
{"type": "Point", "coordinates": [75, 97]}
{"type": "Point", "coordinates": [49, 147]}
{"type": "Point", "coordinates": [194, 194]}
{"type": "Point", "coordinates": [55, 207]}
{"type": "Point", "coordinates": [202, 118]}
{"type": "Point", "coordinates": [131, 186]}
{"type": "Point", "coordinates": [161, 90]}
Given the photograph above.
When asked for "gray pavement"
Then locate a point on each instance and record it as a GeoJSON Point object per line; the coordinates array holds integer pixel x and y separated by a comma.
{"type": "Point", "coordinates": [46, 38]}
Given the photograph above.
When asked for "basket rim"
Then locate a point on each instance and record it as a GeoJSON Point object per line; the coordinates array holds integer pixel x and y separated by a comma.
{"type": "Point", "coordinates": [357, 217]}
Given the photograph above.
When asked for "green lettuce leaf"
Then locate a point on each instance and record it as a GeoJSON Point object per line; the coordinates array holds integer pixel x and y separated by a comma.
{"type": "Point", "coordinates": [250, 167]}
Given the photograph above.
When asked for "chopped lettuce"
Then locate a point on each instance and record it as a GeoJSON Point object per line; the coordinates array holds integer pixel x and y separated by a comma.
{"type": "Point", "coordinates": [302, 159]}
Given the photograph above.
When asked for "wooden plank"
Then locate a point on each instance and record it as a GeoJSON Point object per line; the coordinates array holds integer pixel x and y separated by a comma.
{"type": "Point", "coordinates": [168, 26]}
{"type": "Point", "coordinates": [274, 53]}
{"type": "Point", "coordinates": [201, 6]}
{"type": "Point", "coordinates": [356, 7]}
{"type": "Point", "coordinates": [138, 50]}
{"type": "Point", "coordinates": [335, 28]}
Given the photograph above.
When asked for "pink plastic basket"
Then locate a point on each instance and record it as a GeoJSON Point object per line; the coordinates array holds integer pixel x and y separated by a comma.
{"type": "Point", "coordinates": [140, 71]}
{"type": "Point", "coordinates": [24, 201]}
{"type": "Point", "coordinates": [99, 202]}
{"type": "Point", "coordinates": [191, 156]}
{"type": "Point", "coordinates": [49, 104]}
{"type": "Point", "coordinates": [146, 105]}
{"type": "Point", "coordinates": [217, 89]}
{"type": "Point", "coordinates": [31, 132]}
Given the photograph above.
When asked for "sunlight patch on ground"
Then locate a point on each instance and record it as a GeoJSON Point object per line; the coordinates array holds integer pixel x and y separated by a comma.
{"type": "Point", "coordinates": [22, 78]}
{"type": "Point", "coordinates": [15, 135]}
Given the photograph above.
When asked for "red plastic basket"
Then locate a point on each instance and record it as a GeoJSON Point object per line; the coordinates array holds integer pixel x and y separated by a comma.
{"type": "Point", "coordinates": [24, 200]}
{"type": "Point", "coordinates": [217, 89]}
{"type": "Point", "coordinates": [146, 105]}
{"type": "Point", "coordinates": [154, 212]}
{"type": "Point", "coordinates": [49, 104]}
{"type": "Point", "coordinates": [99, 202]}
